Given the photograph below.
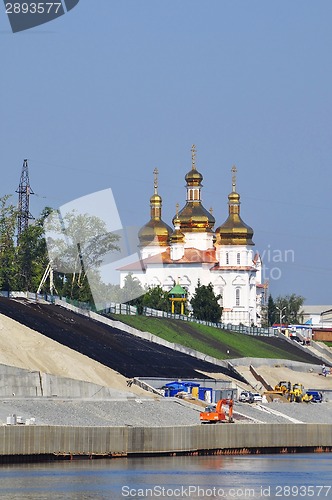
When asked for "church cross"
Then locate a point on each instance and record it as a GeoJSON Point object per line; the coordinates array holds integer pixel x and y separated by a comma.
{"type": "Point", "coordinates": [193, 156]}
{"type": "Point", "coordinates": [234, 170]}
{"type": "Point", "coordinates": [155, 180]}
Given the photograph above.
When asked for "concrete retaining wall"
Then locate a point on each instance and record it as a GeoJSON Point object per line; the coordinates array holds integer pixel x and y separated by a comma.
{"type": "Point", "coordinates": [45, 440]}
{"type": "Point", "coordinates": [19, 382]}
{"type": "Point", "coordinates": [298, 366]}
{"type": "Point", "coordinates": [26, 383]}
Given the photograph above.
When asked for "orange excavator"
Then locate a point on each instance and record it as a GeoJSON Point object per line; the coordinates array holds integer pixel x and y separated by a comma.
{"type": "Point", "coordinates": [214, 414]}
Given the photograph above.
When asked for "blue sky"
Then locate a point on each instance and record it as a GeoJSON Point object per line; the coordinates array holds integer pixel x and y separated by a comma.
{"type": "Point", "coordinates": [101, 96]}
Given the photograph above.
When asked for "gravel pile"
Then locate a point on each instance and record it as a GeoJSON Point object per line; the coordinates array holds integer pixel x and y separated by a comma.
{"type": "Point", "coordinates": [305, 412]}
{"type": "Point", "coordinates": [153, 413]}
{"type": "Point", "coordinates": [287, 412]}
{"type": "Point", "coordinates": [138, 412]}
{"type": "Point", "coordinates": [257, 414]}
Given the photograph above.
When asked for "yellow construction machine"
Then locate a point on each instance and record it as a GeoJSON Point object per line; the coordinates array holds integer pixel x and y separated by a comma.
{"type": "Point", "coordinates": [298, 394]}
{"type": "Point", "coordinates": [283, 386]}
{"type": "Point", "coordinates": [284, 391]}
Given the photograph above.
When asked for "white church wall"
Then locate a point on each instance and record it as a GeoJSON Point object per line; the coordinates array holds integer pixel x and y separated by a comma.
{"type": "Point", "coordinates": [234, 255]}
{"type": "Point", "coordinates": [201, 241]}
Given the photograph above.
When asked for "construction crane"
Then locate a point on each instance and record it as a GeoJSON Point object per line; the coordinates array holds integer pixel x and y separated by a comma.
{"type": "Point", "coordinates": [24, 190]}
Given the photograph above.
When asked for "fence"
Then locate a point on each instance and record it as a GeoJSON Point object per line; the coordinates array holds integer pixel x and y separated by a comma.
{"type": "Point", "coordinates": [126, 309]}
{"type": "Point", "coordinates": [27, 295]}
{"type": "Point", "coordinates": [248, 330]}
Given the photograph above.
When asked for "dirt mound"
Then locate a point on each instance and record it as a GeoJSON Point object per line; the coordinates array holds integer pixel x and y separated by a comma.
{"type": "Point", "coordinates": [28, 349]}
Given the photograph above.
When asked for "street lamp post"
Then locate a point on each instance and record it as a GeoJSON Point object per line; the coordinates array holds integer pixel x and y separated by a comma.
{"type": "Point", "coordinates": [280, 315]}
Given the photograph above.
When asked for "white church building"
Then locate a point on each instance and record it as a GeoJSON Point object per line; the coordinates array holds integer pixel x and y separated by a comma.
{"type": "Point", "coordinates": [194, 251]}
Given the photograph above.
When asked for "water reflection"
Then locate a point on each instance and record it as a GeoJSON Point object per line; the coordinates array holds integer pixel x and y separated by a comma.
{"type": "Point", "coordinates": [137, 478]}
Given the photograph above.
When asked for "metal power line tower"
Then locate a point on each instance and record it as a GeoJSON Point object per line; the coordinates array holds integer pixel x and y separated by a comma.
{"type": "Point", "coordinates": [24, 190]}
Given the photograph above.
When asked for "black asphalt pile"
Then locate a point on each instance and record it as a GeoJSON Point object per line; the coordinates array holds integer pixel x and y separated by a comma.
{"type": "Point", "coordinates": [125, 353]}
{"type": "Point", "coordinates": [292, 349]}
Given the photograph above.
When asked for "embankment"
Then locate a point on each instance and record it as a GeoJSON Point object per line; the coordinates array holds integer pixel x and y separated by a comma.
{"type": "Point", "coordinates": [21, 442]}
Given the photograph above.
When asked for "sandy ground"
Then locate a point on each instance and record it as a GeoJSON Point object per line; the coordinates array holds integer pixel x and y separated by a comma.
{"type": "Point", "coordinates": [25, 348]}
{"type": "Point", "coordinates": [274, 374]}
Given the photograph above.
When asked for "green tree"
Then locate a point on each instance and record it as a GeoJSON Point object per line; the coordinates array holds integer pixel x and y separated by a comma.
{"type": "Point", "coordinates": [133, 288]}
{"type": "Point", "coordinates": [31, 254]}
{"type": "Point", "coordinates": [8, 269]}
{"type": "Point", "coordinates": [77, 245]}
{"type": "Point", "coordinates": [205, 303]}
{"type": "Point", "coordinates": [271, 311]}
{"type": "Point", "coordinates": [290, 308]}
{"type": "Point", "coordinates": [156, 298]}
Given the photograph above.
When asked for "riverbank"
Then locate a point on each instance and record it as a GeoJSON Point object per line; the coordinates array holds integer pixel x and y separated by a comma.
{"type": "Point", "coordinates": [66, 404]}
{"type": "Point", "coordinates": [67, 428]}
{"type": "Point", "coordinates": [46, 442]}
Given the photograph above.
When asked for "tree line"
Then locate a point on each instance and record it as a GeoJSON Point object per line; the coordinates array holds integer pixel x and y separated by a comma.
{"type": "Point", "coordinates": [285, 310]}
{"type": "Point", "coordinates": [25, 257]}
{"type": "Point", "coordinates": [76, 255]}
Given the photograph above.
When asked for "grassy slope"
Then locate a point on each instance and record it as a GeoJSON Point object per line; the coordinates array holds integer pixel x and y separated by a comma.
{"type": "Point", "coordinates": [208, 340]}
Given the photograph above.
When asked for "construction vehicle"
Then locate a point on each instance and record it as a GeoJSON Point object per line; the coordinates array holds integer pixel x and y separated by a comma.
{"type": "Point", "coordinates": [275, 396]}
{"type": "Point", "coordinates": [285, 392]}
{"type": "Point", "coordinates": [296, 393]}
{"type": "Point", "coordinates": [279, 392]}
{"type": "Point", "coordinates": [283, 386]}
{"type": "Point", "coordinates": [215, 414]}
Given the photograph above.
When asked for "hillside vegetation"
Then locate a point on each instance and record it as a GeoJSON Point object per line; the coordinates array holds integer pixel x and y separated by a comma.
{"type": "Point", "coordinates": [215, 342]}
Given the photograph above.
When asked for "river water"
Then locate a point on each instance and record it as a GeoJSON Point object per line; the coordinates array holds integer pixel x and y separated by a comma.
{"type": "Point", "coordinates": [303, 476]}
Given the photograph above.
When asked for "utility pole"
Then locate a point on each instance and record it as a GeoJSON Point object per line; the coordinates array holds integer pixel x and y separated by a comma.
{"type": "Point", "coordinates": [24, 190]}
{"type": "Point", "coordinates": [281, 317]}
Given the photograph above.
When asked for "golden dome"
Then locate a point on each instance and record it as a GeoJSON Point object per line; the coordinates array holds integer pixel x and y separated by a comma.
{"type": "Point", "coordinates": [193, 216]}
{"type": "Point", "coordinates": [177, 235]}
{"type": "Point", "coordinates": [156, 200]}
{"type": "Point", "coordinates": [156, 231]}
{"type": "Point", "coordinates": [234, 197]}
{"type": "Point", "coordinates": [193, 177]}
{"type": "Point", "coordinates": [234, 231]}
